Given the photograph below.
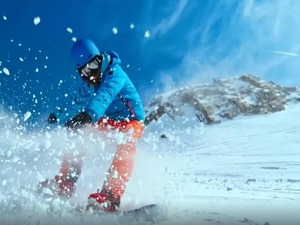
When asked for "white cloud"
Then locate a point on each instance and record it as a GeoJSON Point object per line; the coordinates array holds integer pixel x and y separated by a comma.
{"type": "Point", "coordinates": [285, 53]}
{"type": "Point", "coordinates": [170, 21]}
{"type": "Point", "coordinates": [243, 37]}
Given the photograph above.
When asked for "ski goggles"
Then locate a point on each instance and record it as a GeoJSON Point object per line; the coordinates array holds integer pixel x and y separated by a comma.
{"type": "Point", "coordinates": [90, 67]}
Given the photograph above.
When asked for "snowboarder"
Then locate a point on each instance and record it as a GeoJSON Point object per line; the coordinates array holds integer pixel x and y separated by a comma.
{"type": "Point", "coordinates": [106, 100]}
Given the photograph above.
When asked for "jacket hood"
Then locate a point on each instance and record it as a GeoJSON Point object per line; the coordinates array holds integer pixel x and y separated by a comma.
{"type": "Point", "coordinates": [109, 59]}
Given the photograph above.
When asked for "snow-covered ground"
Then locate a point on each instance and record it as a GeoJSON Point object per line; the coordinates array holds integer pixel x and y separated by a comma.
{"type": "Point", "coordinates": [244, 171]}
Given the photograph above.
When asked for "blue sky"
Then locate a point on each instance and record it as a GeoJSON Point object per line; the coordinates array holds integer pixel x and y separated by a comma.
{"type": "Point", "coordinates": [188, 42]}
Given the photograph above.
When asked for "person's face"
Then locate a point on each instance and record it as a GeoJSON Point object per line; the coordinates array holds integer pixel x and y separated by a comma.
{"type": "Point", "coordinates": [90, 72]}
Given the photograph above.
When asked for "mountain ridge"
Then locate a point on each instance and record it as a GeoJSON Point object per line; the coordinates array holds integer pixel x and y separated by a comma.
{"type": "Point", "coordinates": [222, 99]}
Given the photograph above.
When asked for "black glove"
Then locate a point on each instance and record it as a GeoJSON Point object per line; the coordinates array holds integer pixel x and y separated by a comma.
{"type": "Point", "coordinates": [79, 121]}
{"type": "Point", "coordinates": [52, 119]}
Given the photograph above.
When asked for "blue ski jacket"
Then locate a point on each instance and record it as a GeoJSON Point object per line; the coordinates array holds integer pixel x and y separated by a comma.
{"type": "Point", "coordinates": [116, 97]}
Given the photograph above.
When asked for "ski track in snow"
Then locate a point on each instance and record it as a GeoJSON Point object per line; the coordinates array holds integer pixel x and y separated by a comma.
{"type": "Point", "coordinates": [244, 171]}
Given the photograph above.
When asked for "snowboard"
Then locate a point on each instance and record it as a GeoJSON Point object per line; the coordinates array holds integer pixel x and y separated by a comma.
{"type": "Point", "coordinates": [56, 208]}
{"type": "Point", "coordinates": [147, 213]}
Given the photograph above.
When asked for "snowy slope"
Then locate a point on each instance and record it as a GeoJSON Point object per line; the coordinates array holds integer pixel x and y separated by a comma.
{"type": "Point", "coordinates": [241, 171]}
{"type": "Point", "coordinates": [246, 168]}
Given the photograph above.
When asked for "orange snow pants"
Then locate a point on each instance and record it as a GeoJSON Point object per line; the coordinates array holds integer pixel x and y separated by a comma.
{"type": "Point", "coordinates": [123, 161]}
{"type": "Point", "coordinates": [122, 165]}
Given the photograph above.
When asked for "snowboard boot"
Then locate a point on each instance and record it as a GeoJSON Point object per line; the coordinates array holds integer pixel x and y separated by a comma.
{"type": "Point", "coordinates": [64, 184]}
{"type": "Point", "coordinates": [103, 201]}
{"type": "Point", "coordinates": [56, 187]}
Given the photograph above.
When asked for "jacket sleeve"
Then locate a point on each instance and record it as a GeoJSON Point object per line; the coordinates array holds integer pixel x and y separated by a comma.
{"type": "Point", "coordinates": [108, 90]}
{"type": "Point", "coordinates": [75, 104]}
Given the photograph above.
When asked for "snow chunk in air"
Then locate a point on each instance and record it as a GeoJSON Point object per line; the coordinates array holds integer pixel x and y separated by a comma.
{"type": "Point", "coordinates": [27, 115]}
{"type": "Point", "coordinates": [147, 34]}
{"type": "Point", "coordinates": [115, 30]}
{"type": "Point", "coordinates": [6, 71]}
{"type": "Point", "coordinates": [36, 20]}
{"type": "Point", "coordinates": [69, 29]}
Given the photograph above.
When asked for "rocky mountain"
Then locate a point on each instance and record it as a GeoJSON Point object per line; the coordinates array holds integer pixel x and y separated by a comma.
{"type": "Point", "coordinates": [222, 99]}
